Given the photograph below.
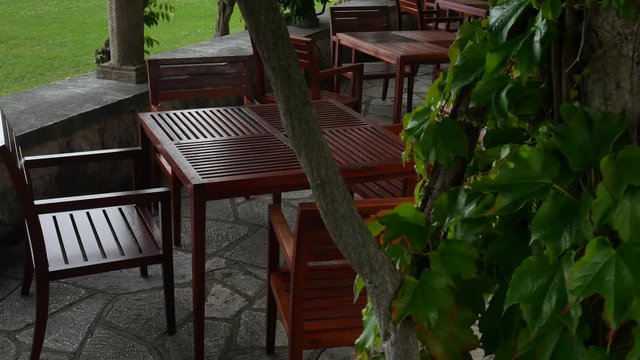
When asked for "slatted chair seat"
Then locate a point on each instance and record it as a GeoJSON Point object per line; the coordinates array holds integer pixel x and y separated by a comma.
{"type": "Point", "coordinates": [94, 238]}
{"type": "Point", "coordinates": [313, 291]}
{"type": "Point", "coordinates": [89, 234]}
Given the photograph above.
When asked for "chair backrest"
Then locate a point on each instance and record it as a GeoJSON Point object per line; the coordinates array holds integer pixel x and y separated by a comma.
{"type": "Point", "coordinates": [199, 78]}
{"type": "Point", "coordinates": [358, 19]}
{"type": "Point", "coordinates": [313, 242]}
{"type": "Point", "coordinates": [305, 49]}
{"type": "Point", "coordinates": [12, 157]}
{"type": "Point", "coordinates": [427, 14]}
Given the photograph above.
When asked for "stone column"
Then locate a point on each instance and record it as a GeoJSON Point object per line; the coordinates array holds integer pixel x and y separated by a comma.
{"type": "Point", "coordinates": [126, 40]}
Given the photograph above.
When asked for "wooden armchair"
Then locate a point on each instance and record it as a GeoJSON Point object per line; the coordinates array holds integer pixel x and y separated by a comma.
{"type": "Point", "coordinates": [83, 235]}
{"type": "Point", "coordinates": [366, 18]}
{"type": "Point", "coordinates": [199, 78]}
{"type": "Point", "coordinates": [428, 16]}
{"type": "Point", "coordinates": [313, 292]}
{"type": "Point", "coordinates": [306, 50]}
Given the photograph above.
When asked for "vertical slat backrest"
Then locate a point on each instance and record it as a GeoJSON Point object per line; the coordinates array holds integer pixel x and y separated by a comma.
{"type": "Point", "coordinates": [12, 157]}
{"type": "Point", "coordinates": [199, 78]}
{"type": "Point", "coordinates": [411, 7]}
{"type": "Point", "coordinates": [305, 49]}
{"type": "Point", "coordinates": [357, 19]}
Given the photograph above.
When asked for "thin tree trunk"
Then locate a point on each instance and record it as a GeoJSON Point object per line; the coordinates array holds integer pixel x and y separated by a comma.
{"type": "Point", "coordinates": [270, 35]}
{"type": "Point", "coordinates": [225, 10]}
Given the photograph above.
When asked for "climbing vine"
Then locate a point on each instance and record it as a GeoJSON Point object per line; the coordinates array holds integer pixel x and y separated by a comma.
{"type": "Point", "coordinates": [538, 243]}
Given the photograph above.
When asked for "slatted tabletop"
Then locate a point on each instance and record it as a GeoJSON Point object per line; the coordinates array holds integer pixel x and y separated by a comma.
{"type": "Point", "coordinates": [400, 48]}
{"type": "Point", "coordinates": [240, 151]}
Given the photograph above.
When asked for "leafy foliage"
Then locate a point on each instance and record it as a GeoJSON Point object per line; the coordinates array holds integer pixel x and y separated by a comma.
{"type": "Point", "coordinates": [154, 12]}
{"type": "Point", "coordinates": [540, 244]}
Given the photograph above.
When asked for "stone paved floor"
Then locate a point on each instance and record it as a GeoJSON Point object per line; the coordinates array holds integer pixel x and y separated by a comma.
{"type": "Point", "coordinates": [119, 315]}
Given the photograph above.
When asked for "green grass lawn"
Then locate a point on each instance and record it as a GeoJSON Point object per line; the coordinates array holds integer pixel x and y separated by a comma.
{"type": "Point", "coordinates": [45, 41]}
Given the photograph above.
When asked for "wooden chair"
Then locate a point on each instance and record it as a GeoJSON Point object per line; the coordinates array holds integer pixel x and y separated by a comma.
{"type": "Point", "coordinates": [313, 292]}
{"type": "Point", "coordinates": [81, 235]}
{"type": "Point", "coordinates": [199, 78]}
{"type": "Point", "coordinates": [192, 79]}
{"type": "Point", "coordinates": [306, 50]}
{"type": "Point", "coordinates": [427, 15]}
{"type": "Point", "coordinates": [393, 188]}
{"type": "Point", "coordinates": [366, 18]}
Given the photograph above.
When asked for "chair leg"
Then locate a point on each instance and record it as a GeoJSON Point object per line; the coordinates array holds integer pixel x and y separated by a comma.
{"type": "Point", "coordinates": [271, 321]}
{"type": "Point", "coordinates": [169, 296]}
{"type": "Point", "coordinates": [176, 211]}
{"type": "Point", "coordinates": [144, 271]}
{"type": "Point", "coordinates": [410, 80]}
{"type": "Point", "coordinates": [385, 87]}
{"type": "Point", "coordinates": [27, 272]}
{"type": "Point", "coordinates": [42, 309]}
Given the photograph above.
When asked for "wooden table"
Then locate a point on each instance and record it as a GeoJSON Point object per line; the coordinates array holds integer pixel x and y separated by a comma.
{"type": "Point", "coordinates": [228, 152]}
{"type": "Point", "coordinates": [472, 8]}
{"type": "Point", "coordinates": [400, 48]}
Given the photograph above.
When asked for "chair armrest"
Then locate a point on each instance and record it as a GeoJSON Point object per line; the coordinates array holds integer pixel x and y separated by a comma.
{"type": "Point", "coordinates": [339, 70]}
{"type": "Point", "coordinates": [283, 232]}
{"type": "Point", "coordinates": [356, 81]}
{"type": "Point", "coordinates": [103, 200]}
{"type": "Point", "coordinates": [40, 161]}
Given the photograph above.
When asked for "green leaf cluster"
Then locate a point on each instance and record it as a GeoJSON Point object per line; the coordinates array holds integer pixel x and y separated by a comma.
{"type": "Point", "coordinates": [539, 245]}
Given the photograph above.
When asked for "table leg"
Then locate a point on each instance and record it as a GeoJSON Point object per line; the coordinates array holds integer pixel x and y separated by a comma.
{"type": "Point", "coordinates": [397, 105]}
{"type": "Point", "coordinates": [198, 248]}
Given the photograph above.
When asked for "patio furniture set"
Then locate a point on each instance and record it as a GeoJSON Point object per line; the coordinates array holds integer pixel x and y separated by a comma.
{"type": "Point", "coordinates": [225, 152]}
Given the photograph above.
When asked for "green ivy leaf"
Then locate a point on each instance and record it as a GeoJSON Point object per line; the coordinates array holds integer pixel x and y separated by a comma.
{"type": "Point", "coordinates": [626, 216]}
{"type": "Point", "coordinates": [501, 136]}
{"type": "Point", "coordinates": [588, 135]}
{"type": "Point", "coordinates": [603, 206]}
{"type": "Point", "coordinates": [551, 9]}
{"type": "Point", "coordinates": [469, 66]}
{"type": "Point", "coordinates": [553, 342]}
{"type": "Point", "coordinates": [503, 17]}
{"type": "Point", "coordinates": [413, 293]}
{"type": "Point", "coordinates": [358, 285]}
{"type": "Point", "coordinates": [621, 169]}
{"type": "Point", "coordinates": [443, 141]}
{"type": "Point", "coordinates": [451, 335]}
{"type": "Point", "coordinates": [369, 340]}
{"type": "Point", "coordinates": [455, 257]}
{"type": "Point", "coordinates": [455, 203]}
{"type": "Point", "coordinates": [561, 222]}
{"type": "Point", "coordinates": [539, 286]}
{"type": "Point", "coordinates": [613, 274]}
{"type": "Point", "coordinates": [525, 175]}
{"type": "Point", "coordinates": [405, 220]}
{"type": "Point", "coordinates": [528, 52]}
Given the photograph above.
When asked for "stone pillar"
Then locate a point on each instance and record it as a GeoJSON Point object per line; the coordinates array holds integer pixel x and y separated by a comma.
{"type": "Point", "coordinates": [126, 40]}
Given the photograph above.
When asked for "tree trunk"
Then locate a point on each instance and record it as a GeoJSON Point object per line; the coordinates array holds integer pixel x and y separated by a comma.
{"type": "Point", "coordinates": [267, 28]}
{"type": "Point", "coordinates": [614, 82]}
{"type": "Point", "coordinates": [225, 10]}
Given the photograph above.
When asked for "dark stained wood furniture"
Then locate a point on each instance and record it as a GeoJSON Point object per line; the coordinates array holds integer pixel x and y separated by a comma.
{"type": "Point", "coordinates": [308, 60]}
{"type": "Point", "coordinates": [221, 153]}
{"type": "Point", "coordinates": [428, 16]}
{"type": "Point", "coordinates": [366, 18]}
{"type": "Point", "coordinates": [82, 235]}
{"type": "Point", "coordinates": [471, 8]}
{"type": "Point", "coordinates": [401, 48]}
{"type": "Point", "coordinates": [313, 291]}
{"type": "Point", "coordinates": [208, 77]}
